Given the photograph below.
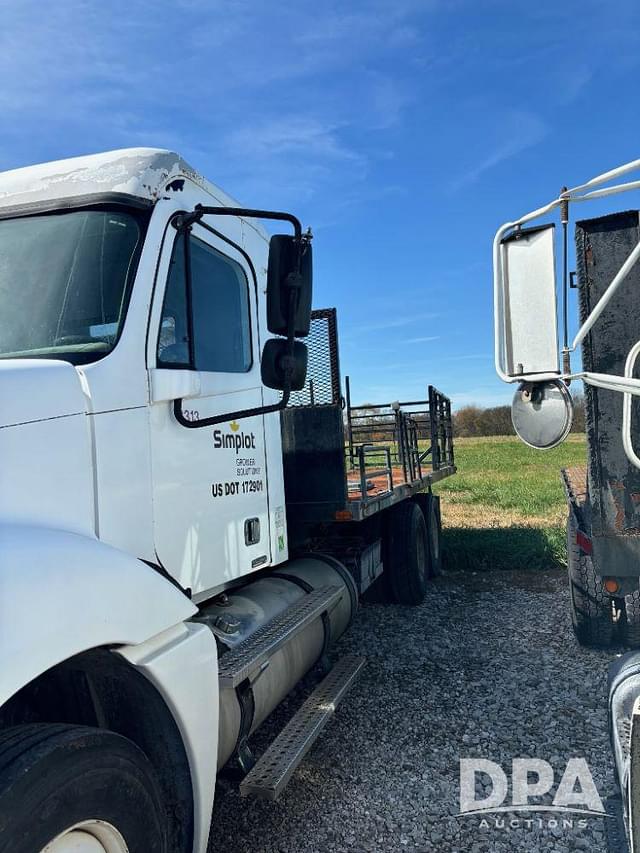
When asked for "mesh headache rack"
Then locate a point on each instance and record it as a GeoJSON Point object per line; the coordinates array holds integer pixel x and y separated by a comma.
{"type": "Point", "coordinates": [344, 462]}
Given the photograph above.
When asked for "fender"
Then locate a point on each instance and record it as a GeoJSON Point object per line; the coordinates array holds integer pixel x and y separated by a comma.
{"type": "Point", "coordinates": [182, 663]}
{"type": "Point", "coordinates": [63, 593]}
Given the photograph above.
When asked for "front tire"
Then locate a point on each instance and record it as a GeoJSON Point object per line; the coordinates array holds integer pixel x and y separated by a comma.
{"type": "Point", "coordinates": [77, 788]}
{"type": "Point", "coordinates": [407, 554]}
{"type": "Point", "coordinates": [591, 613]}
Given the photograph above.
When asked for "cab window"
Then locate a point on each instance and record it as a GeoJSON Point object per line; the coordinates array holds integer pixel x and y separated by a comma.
{"type": "Point", "coordinates": [65, 279]}
{"type": "Point", "coordinates": [219, 322]}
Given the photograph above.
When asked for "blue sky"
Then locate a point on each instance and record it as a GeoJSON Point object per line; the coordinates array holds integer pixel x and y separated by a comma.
{"type": "Point", "coordinates": [403, 132]}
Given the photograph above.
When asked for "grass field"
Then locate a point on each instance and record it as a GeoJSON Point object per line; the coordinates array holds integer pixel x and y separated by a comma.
{"type": "Point", "coordinates": [505, 508]}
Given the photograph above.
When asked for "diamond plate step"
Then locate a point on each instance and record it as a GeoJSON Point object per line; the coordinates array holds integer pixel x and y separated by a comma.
{"type": "Point", "coordinates": [242, 661]}
{"type": "Point", "coordinates": [273, 770]}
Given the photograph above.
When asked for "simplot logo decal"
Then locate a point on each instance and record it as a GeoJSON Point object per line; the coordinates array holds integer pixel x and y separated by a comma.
{"type": "Point", "coordinates": [236, 440]}
{"type": "Point", "coordinates": [241, 467]}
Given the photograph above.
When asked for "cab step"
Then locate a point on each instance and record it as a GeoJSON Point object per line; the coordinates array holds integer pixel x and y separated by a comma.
{"type": "Point", "coordinates": [250, 656]}
{"type": "Point", "coordinates": [275, 767]}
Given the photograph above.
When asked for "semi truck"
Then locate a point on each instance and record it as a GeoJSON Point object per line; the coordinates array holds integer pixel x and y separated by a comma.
{"type": "Point", "coordinates": [190, 506]}
{"type": "Point", "coordinates": [603, 496]}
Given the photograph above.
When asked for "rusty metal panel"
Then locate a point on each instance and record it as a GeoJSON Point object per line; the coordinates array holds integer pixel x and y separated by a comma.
{"type": "Point", "coordinates": [602, 246]}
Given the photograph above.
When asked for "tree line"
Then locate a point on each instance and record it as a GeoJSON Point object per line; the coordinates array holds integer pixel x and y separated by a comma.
{"type": "Point", "coordinates": [477, 421]}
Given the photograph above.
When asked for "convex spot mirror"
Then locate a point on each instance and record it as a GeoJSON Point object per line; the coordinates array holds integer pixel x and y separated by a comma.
{"type": "Point", "coordinates": [274, 363]}
{"type": "Point", "coordinates": [542, 413]}
{"type": "Point", "coordinates": [282, 275]}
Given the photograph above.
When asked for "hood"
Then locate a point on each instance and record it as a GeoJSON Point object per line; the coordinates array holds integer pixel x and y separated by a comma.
{"type": "Point", "coordinates": [39, 390]}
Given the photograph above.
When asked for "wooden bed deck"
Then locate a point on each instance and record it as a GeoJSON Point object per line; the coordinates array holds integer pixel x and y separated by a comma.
{"type": "Point", "coordinates": [377, 485]}
{"type": "Point", "coordinates": [378, 497]}
{"type": "Point", "coordinates": [575, 483]}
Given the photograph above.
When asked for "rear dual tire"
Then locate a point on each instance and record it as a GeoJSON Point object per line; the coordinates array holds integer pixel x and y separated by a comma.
{"type": "Point", "coordinates": [591, 607]}
{"type": "Point", "coordinates": [430, 506]}
{"type": "Point", "coordinates": [631, 625]}
{"type": "Point", "coordinates": [412, 549]}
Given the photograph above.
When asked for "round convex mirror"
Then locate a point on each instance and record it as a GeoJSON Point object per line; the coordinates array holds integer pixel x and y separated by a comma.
{"type": "Point", "coordinates": [542, 413]}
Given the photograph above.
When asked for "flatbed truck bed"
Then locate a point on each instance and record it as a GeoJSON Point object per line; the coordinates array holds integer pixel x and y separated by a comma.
{"type": "Point", "coordinates": [379, 495]}
{"type": "Point", "coordinates": [358, 460]}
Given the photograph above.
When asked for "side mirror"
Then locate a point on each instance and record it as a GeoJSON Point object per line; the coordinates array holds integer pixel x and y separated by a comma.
{"type": "Point", "coordinates": [527, 318]}
{"type": "Point", "coordinates": [274, 364]}
{"type": "Point", "coordinates": [290, 267]}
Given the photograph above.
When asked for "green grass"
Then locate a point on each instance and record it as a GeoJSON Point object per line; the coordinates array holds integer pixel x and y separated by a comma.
{"type": "Point", "coordinates": [505, 508]}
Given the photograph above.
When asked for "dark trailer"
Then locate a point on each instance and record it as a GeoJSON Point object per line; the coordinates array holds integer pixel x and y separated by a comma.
{"type": "Point", "coordinates": [358, 478]}
{"type": "Point", "coordinates": [604, 496]}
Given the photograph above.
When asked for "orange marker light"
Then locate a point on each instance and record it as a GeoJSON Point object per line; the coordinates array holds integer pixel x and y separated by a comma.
{"type": "Point", "coordinates": [344, 515]}
{"type": "Point", "coordinates": [611, 585]}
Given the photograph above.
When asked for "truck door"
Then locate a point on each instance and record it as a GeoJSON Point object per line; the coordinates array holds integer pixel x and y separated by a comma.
{"type": "Point", "coordinates": [211, 521]}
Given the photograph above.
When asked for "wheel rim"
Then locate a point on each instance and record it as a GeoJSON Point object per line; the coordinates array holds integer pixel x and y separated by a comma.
{"type": "Point", "coordinates": [90, 836]}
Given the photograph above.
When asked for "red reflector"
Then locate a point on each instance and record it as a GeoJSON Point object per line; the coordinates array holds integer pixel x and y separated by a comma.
{"type": "Point", "coordinates": [584, 542]}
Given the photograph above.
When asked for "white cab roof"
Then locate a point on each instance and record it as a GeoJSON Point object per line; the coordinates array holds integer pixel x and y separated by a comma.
{"type": "Point", "coordinates": [140, 172]}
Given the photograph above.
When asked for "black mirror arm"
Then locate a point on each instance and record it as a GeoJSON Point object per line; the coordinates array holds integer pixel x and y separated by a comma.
{"type": "Point", "coordinates": [186, 220]}
{"type": "Point", "coordinates": [244, 413]}
{"type": "Point", "coordinates": [229, 416]}
{"type": "Point", "coordinates": [201, 210]}
{"type": "Point", "coordinates": [184, 223]}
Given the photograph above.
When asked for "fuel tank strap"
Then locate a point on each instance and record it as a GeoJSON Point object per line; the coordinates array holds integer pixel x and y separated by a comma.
{"type": "Point", "coordinates": [244, 660]}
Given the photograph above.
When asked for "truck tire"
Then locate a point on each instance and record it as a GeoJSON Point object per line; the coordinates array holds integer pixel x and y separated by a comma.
{"type": "Point", "coordinates": [434, 529]}
{"type": "Point", "coordinates": [430, 506]}
{"type": "Point", "coordinates": [407, 554]}
{"type": "Point", "coordinates": [72, 787]}
{"type": "Point", "coordinates": [631, 623]}
{"type": "Point", "coordinates": [590, 605]}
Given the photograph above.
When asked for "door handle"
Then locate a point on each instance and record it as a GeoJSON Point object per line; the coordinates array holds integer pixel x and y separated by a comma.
{"type": "Point", "coordinates": [251, 531]}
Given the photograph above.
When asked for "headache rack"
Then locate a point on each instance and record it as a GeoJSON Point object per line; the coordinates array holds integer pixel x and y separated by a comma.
{"type": "Point", "coordinates": [396, 444]}
{"type": "Point", "coordinates": [344, 462]}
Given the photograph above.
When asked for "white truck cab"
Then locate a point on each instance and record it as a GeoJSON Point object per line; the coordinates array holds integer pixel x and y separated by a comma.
{"type": "Point", "coordinates": [99, 231]}
{"type": "Point", "coordinates": [153, 613]}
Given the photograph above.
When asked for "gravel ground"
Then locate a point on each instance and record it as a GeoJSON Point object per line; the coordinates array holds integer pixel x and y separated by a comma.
{"type": "Point", "coordinates": [487, 667]}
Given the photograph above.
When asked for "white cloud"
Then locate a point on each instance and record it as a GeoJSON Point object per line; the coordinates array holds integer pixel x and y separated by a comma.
{"type": "Point", "coordinates": [518, 131]}
{"type": "Point", "coordinates": [483, 356]}
{"type": "Point", "coordinates": [572, 81]}
{"type": "Point", "coordinates": [395, 322]}
{"type": "Point", "coordinates": [278, 106]}
{"type": "Point", "coordinates": [291, 134]}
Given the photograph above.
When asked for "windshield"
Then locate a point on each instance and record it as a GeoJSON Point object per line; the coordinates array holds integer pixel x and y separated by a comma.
{"type": "Point", "coordinates": [64, 283]}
